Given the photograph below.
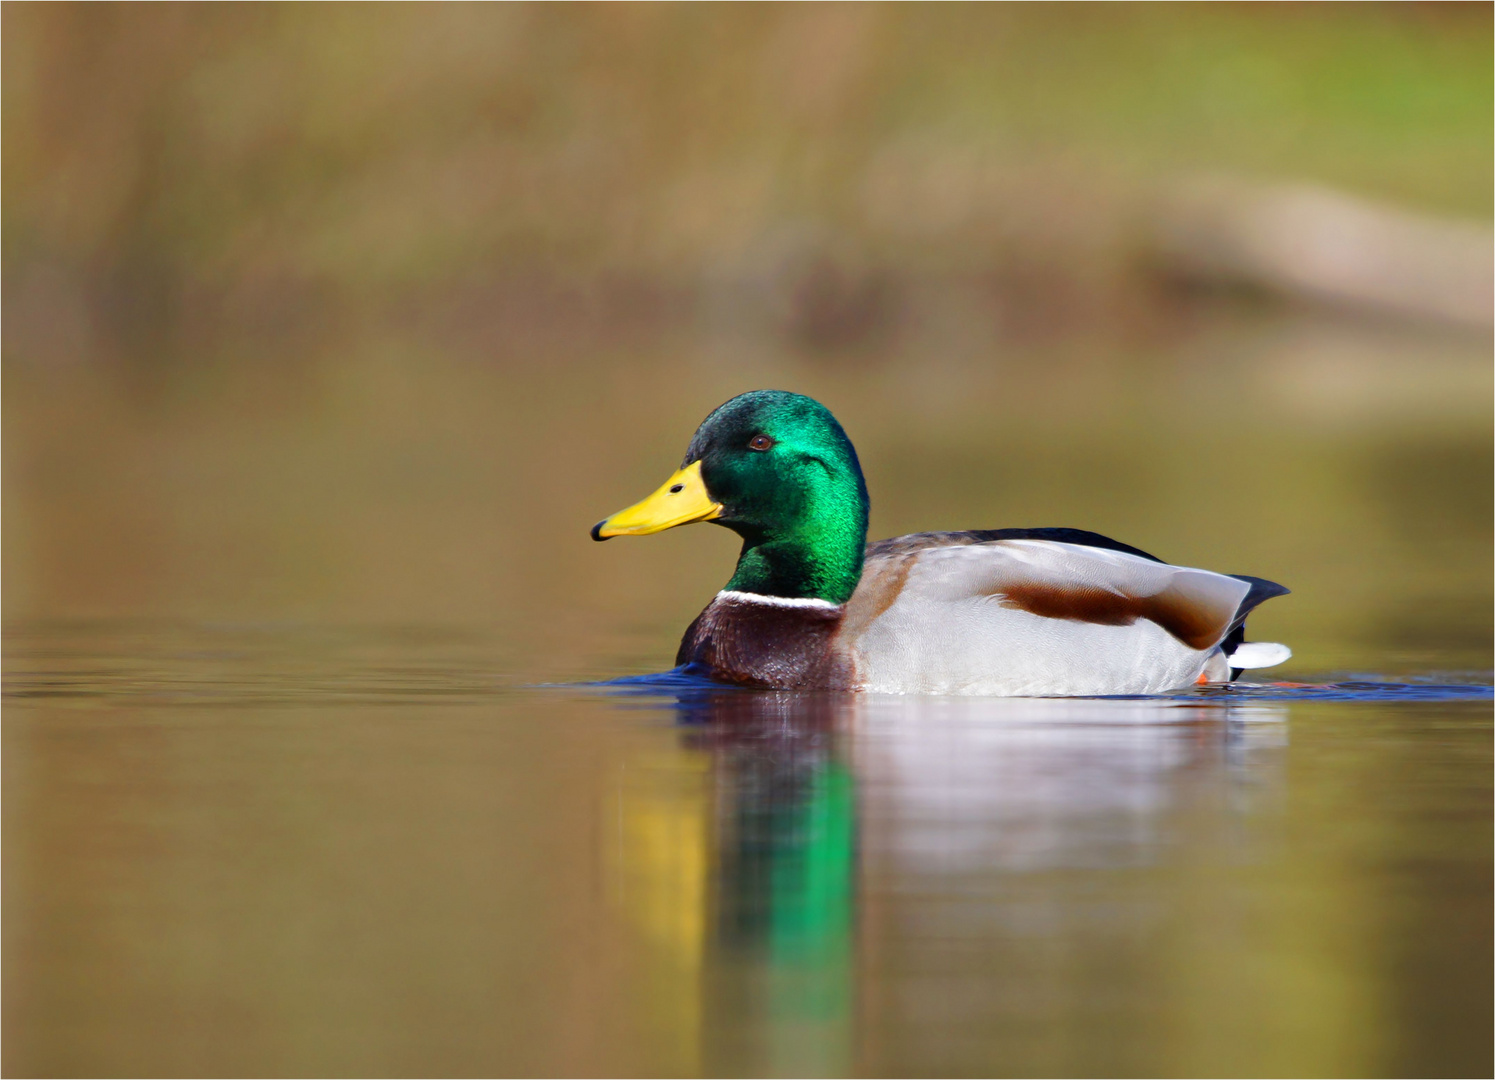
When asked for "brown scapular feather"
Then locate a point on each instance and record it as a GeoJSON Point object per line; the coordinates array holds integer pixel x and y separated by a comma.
{"type": "Point", "coordinates": [1175, 613]}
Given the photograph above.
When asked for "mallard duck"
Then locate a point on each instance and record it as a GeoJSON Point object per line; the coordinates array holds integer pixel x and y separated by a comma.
{"type": "Point", "coordinates": [1015, 612]}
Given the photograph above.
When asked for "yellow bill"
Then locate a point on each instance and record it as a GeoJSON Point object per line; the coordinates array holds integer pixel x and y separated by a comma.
{"type": "Point", "coordinates": [680, 501]}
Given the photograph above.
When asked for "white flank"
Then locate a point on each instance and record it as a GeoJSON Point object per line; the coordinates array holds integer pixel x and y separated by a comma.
{"type": "Point", "coordinates": [1255, 654]}
{"type": "Point", "coordinates": [948, 632]}
{"type": "Point", "coordinates": [777, 601]}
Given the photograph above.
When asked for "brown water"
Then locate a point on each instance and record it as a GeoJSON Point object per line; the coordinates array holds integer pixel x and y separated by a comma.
{"type": "Point", "coordinates": [288, 789]}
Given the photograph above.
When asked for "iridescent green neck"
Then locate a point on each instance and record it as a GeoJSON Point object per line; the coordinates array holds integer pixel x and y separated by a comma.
{"type": "Point", "coordinates": [820, 559]}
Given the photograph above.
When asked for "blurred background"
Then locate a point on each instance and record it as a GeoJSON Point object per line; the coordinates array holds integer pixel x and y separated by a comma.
{"type": "Point", "coordinates": [350, 314]}
{"type": "Point", "coordinates": [329, 331]}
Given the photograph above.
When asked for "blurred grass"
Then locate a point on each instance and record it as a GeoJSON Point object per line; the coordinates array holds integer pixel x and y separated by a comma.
{"type": "Point", "coordinates": [196, 178]}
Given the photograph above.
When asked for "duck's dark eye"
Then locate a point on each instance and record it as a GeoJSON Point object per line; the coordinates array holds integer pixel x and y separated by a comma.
{"type": "Point", "coordinates": [760, 442]}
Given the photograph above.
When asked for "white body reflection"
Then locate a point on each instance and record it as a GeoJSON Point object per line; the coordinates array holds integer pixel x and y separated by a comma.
{"type": "Point", "coordinates": [955, 785]}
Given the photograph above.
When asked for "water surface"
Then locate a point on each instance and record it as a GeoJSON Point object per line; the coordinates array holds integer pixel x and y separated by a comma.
{"type": "Point", "coordinates": [279, 849]}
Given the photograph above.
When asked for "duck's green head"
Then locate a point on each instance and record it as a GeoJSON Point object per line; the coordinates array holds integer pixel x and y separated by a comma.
{"type": "Point", "coordinates": [777, 469]}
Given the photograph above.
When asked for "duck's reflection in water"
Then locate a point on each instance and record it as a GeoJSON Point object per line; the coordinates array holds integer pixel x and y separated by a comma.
{"type": "Point", "coordinates": [954, 786]}
{"type": "Point", "coordinates": [790, 849]}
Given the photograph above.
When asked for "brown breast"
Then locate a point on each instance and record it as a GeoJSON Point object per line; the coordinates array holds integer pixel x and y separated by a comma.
{"type": "Point", "coordinates": [776, 646]}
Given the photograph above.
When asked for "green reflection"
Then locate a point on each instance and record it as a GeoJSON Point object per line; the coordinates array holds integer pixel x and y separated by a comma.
{"type": "Point", "coordinates": [780, 986]}
{"type": "Point", "coordinates": [810, 907]}
{"type": "Point", "coordinates": [811, 987]}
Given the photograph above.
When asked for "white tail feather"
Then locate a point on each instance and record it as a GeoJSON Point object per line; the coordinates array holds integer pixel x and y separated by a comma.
{"type": "Point", "coordinates": [1256, 654]}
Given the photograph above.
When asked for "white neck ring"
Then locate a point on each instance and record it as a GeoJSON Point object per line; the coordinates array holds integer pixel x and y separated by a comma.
{"type": "Point", "coordinates": [777, 601]}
